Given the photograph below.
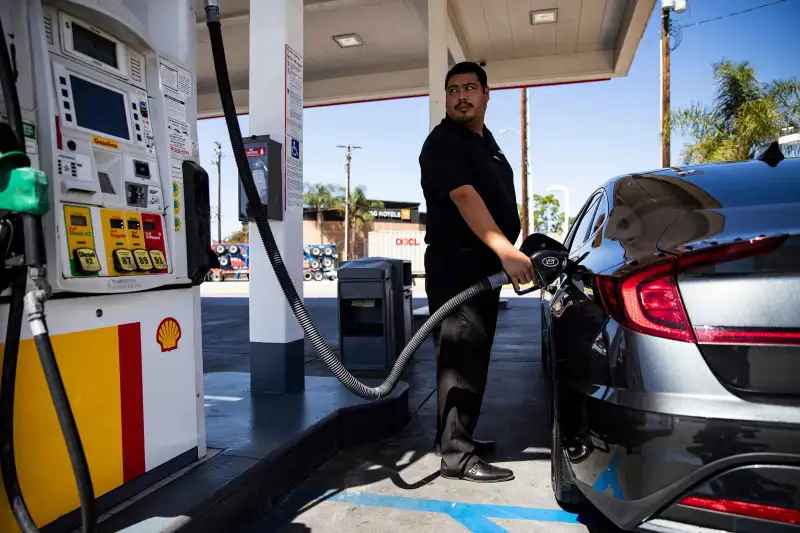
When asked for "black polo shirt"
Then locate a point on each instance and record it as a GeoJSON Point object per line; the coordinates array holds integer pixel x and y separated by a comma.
{"type": "Point", "coordinates": [452, 156]}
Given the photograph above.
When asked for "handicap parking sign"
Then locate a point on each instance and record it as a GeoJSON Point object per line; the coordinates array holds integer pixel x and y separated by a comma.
{"type": "Point", "coordinates": [295, 148]}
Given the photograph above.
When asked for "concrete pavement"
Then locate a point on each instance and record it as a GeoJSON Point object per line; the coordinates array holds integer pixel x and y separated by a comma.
{"type": "Point", "coordinates": [394, 485]}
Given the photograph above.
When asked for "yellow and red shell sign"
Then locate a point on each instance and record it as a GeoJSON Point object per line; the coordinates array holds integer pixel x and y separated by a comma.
{"type": "Point", "coordinates": [105, 388]}
{"type": "Point", "coordinates": [168, 334]}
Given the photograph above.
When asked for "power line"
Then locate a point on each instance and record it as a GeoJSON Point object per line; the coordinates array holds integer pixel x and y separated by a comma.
{"type": "Point", "coordinates": [714, 19]}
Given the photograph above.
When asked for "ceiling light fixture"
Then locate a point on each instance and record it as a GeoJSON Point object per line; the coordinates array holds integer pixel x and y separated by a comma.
{"type": "Point", "coordinates": [547, 16]}
{"type": "Point", "coordinates": [348, 41]}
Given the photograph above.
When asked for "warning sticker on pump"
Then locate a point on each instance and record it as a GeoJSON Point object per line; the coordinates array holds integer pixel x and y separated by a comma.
{"type": "Point", "coordinates": [176, 78]}
{"type": "Point", "coordinates": [180, 140]}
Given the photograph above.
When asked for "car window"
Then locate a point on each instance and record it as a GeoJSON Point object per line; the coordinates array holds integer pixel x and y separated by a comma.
{"type": "Point", "coordinates": [600, 217]}
{"type": "Point", "coordinates": [583, 225]}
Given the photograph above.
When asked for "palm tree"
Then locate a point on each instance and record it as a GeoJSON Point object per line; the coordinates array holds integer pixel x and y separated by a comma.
{"type": "Point", "coordinates": [746, 116]}
{"type": "Point", "coordinates": [322, 197]}
{"type": "Point", "coordinates": [360, 213]}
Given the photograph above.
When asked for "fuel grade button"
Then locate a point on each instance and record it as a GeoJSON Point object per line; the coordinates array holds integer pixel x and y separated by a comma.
{"type": "Point", "coordinates": [143, 260]}
{"type": "Point", "coordinates": [124, 261]}
{"type": "Point", "coordinates": [159, 261]}
{"type": "Point", "coordinates": [86, 260]}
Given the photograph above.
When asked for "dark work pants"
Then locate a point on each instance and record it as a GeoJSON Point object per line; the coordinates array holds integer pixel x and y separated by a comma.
{"type": "Point", "coordinates": [463, 347]}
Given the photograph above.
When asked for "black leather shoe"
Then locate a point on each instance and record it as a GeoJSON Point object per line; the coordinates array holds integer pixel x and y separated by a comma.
{"type": "Point", "coordinates": [481, 447]}
{"type": "Point", "coordinates": [481, 472]}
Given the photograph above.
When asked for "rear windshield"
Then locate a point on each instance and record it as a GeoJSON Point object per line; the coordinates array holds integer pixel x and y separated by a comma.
{"type": "Point", "coordinates": [727, 185]}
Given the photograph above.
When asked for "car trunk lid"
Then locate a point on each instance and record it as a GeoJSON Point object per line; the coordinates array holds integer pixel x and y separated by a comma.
{"type": "Point", "coordinates": [738, 277]}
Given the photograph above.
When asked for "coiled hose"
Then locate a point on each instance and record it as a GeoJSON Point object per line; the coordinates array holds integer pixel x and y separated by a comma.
{"type": "Point", "coordinates": [284, 280]}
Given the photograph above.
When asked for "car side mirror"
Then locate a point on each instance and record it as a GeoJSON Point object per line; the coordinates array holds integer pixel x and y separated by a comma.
{"type": "Point", "coordinates": [536, 242]}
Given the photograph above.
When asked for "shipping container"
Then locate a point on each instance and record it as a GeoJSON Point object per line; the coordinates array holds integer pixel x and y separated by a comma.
{"type": "Point", "coordinates": [408, 245]}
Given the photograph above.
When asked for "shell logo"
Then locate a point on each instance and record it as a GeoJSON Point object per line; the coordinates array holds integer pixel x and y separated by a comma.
{"type": "Point", "coordinates": [168, 334]}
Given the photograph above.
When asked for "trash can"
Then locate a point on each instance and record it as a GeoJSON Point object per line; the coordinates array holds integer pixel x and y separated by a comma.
{"type": "Point", "coordinates": [375, 313]}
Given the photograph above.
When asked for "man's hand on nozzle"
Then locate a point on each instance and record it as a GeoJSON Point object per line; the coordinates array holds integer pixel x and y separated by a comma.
{"type": "Point", "coordinates": [517, 265]}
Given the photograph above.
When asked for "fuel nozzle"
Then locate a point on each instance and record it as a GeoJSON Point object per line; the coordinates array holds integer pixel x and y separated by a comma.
{"type": "Point", "coordinates": [23, 190]}
{"type": "Point", "coordinates": [548, 265]}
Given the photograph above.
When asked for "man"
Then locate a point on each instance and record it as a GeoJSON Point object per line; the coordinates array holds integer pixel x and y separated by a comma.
{"type": "Point", "coordinates": [472, 224]}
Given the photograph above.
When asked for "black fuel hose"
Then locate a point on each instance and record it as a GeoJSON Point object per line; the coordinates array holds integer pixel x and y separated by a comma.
{"type": "Point", "coordinates": [8, 382]}
{"type": "Point", "coordinates": [34, 303]}
{"type": "Point", "coordinates": [284, 280]}
{"type": "Point", "coordinates": [34, 249]}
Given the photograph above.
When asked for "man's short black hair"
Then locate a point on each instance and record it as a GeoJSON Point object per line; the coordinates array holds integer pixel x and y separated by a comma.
{"type": "Point", "coordinates": [467, 67]}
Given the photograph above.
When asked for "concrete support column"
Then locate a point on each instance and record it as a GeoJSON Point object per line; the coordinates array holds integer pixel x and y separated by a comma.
{"type": "Point", "coordinates": [276, 100]}
{"type": "Point", "coordinates": [438, 66]}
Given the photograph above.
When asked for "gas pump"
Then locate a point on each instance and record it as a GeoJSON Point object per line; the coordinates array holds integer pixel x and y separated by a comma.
{"type": "Point", "coordinates": [106, 105]}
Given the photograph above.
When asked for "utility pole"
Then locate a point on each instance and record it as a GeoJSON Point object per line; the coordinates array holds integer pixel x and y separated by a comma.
{"type": "Point", "coordinates": [524, 135]}
{"type": "Point", "coordinates": [678, 6]}
{"type": "Point", "coordinates": [349, 157]}
{"type": "Point", "coordinates": [218, 163]}
{"type": "Point", "coordinates": [665, 86]}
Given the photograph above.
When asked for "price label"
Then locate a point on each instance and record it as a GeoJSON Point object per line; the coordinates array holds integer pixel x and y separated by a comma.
{"type": "Point", "coordinates": [142, 260]}
{"type": "Point", "coordinates": [125, 261]}
{"type": "Point", "coordinates": [159, 261]}
{"type": "Point", "coordinates": [87, 260]}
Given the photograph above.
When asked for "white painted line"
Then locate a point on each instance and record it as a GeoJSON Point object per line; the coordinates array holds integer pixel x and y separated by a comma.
{"type": "Point", "coordinates": [223, 398]}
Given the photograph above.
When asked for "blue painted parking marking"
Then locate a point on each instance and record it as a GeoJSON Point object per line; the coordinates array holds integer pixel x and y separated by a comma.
{"type": "Point", "coordinates": [474, 516]}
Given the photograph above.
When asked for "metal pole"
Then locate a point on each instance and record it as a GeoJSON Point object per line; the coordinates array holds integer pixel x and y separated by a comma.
{"type": "Point", "coordinates": [218, 163]}
{"type": "Point", "coordinates": [524, 135]}
{"type": "Point", "coordinates": [347, 210]}
{"type": "Point", "coordinates": [349, 156]}
{"type": "Point", "coordinates": [562, 188]}
{"type": "Point", "coordinates": [665, 87]}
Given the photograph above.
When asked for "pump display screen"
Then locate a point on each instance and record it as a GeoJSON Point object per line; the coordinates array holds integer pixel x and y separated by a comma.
{"type": "Point", "coordinates": [89, 43]}
{"type": "Point", "coordinates": [149, 226]}
{"type": "Point", "coordinates": [99, 109]}
{"type": "Point", "coordinates": [77, 220]}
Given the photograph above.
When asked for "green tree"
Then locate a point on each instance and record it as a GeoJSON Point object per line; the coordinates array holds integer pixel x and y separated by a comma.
{"type": "Point", "coordinates": [360, 209]}
{"type": "Point", "coordinates": [547, 214]}
{"type": "Point", "coordinates": [322, 197]}
{"type": "Point", "coordinates": [240, 236]}
{"type": "Point", "coordinates": [745, 117]}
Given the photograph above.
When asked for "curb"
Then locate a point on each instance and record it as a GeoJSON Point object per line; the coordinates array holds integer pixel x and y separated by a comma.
{"type": "Point", "coordinates": [228, 492]}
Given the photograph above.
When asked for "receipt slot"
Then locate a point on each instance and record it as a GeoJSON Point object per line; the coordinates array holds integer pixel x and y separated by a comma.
{"type": "Point", "coordinates": [266, 163]}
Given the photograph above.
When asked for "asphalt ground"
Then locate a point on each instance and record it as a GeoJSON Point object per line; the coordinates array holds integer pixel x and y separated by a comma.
{"type": "Point", "coordinates": [394, 485]}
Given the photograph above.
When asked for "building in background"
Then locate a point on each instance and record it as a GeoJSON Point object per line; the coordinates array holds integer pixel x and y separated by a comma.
{"type": "Point", "coordinates": [393, 216]}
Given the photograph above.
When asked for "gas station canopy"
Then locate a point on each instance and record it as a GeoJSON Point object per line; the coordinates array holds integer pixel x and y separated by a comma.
{"type": "Point", "coordinates": [361, 50]}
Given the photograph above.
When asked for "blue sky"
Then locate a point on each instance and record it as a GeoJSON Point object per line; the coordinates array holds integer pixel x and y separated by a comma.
{"type": "Point", "coordinates": [581, 135]}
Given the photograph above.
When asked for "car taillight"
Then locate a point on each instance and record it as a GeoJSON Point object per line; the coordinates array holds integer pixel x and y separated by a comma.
{"type": "Point", "coordinates": [748, 336]}
{"type": "Point", "coordinates": [753, 510]}
{"type": "Point", "coordinates": [649, 302]}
